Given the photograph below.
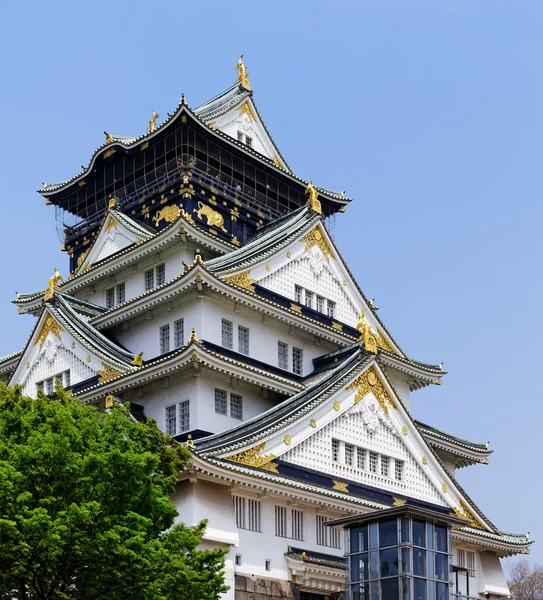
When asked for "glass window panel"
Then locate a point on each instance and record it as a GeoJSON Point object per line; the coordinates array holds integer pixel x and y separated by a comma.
{"type": "Point", "coordinates": [178, 333]}
{"type": "Point", "coordinates": [359, 567]}
{"type": "Point", "coordinates": [282, 355]}
{"type": "Point", "coordinates": [184, 416]}
{"type": "Point", "coordinates": [441, 567]}
{"type": "Point", "coordinates": [419, 560]}
{"type": "Point", "coordinates": [419, 589]}
{"type": "Point", "coordinates": [441, 539]}
{"type": "Point", "coordinates": [236, 407]}
{"type": "Point", "coordinates": [359, 539]}
{"type": "Point", "coordinates": [442, 591]}
{"type": "Point", "coordinates": [430, 564]}
{"type": "Point", "coordinates": [227, 334]}
{"type": "Point", "coordinates": [297, 361]}
{"type": "Point", "coordinates": [373, 535]}
{"type": "Point", "coordinates": [418, 533]}
{"type": "Point", "coordinates": [406, 560]}
{"type": "Point", "coordinates": [390, 589]}
{"type": "Point", "coordinates": [429, 536]}
{"type": "Point", "coordinates": [374, 565]}
{"type": "Point", "coordinates": [405, 531]}
{"type": "Point", "coordinates": [406, 588]}
{"type": "Point", "coordinates": [360, 591]}
{"type": "Point", "coordinates": [389, 562]}
{"type": "Point", "coordinates": [243, 339]}
{"type": "Point", "coordinates": [388, 533]}
{"type": "Point", "coordinates": [374, 590]}
{"type": "Point", "coordinates": [160, 274]}
{"type": "Point", "coordinates": [220, 401]}
{"type": "Point", "coordinates": [430, 591]}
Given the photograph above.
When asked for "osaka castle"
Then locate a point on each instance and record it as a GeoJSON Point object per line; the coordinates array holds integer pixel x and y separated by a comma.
{"type": "Point", "coordinates": [204, 288]}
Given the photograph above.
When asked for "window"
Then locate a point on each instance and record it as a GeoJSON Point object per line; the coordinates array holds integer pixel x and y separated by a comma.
{"type": "Point", "coordinates": [115, 295]}
{"type": "Point", "coordinates": [297, 524]}
{"type": "Point", "coordinates": [297, 361]}
{"type": "Point", "coordinates": [164, 339]}
{"type": "Point", "coordinates": [149, 276]}
{"type": "Point", "coordinates": [281, 521]}
{"type": "Point", "coordinates": [240, 136]}
{"type": "Point", "coordinates": [268, 565]}
{"type": "Point", "coordinates": [335, 450]}
{"type": "Point", "coordinates": [239, 508]}
{"type": "Point", "coordinates": [253, 514]}
{"type": "Point", "coordinates": [384, 465]}
{"type": "Point", "coordinates": [398, 470]}
{"type": "Point", "coordinates": [298, 294]}
{"type": "Point", "coordinates": [121, 293]}
{"type": "Point", "coordinates": [236, 406]}
{"type": "Point", "coordinates": [327, 536]}
{"type": "Point", "coordinates": [320, 303]}
{"type": "Point", "coordinates": [238, 560]}
{"type": "Point", "coordinates": [110, 297]}
{"type": "Point", "coordinates": [243, 339]}
{"type": "Point", "coordinates": [221, 401]}
{"type": "Point", "coordinates": [361, 458]}
{"type": "Point", "coordinates": [178, 333]}
{"type": "Point", "coordinates": [349, 454]}
{"type": "Point", "coordinates": [373, 461]}
{"type": "Point", "coordinates": [331, 309]}
{"type": "Point", "coordinates": [161, 274]}
{"type": "Point", "coordinates": [157, 274]}
{"type": "Point", "coordinates": [184, 416]}
{"type": "Point", "coordinates": [171, 419]}
{"type": "Point", "coordinates": [308, 299]}
{"type": "Point", "coordinates": [466, 560]}
{"type": "Point", "coordinates": [48, 386]}
{"type": "Point", "coordinates": [249, 142]}
{"type": "Point", "coordinates": [282, 355]}
{"type": "Point", "coordinates": [247, 513]}
{"type": "Point", "coordinates": [227, 334]}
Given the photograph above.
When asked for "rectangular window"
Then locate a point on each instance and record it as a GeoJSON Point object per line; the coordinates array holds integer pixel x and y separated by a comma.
{"type": "Point", "coordinates": [240, 136]}
{"type": "Point", "coordinates": [239, 509]}
{"type": "Point", "coordinates": [253, 514]}
{"type": "Point", "coordinates": [297, 523]}
{"type": "Point", "coordinates": [178, 333]}
{"type": "Point", "coordinates": [267, 562]}
{"type": "Point", "coordinates": [39, 386]}
{"type": "Point", "coordinates": [384, 465]}
{"type": "Point", "coordinates": [221, 403]}
{"type": "Point", "coordinates": [149, 276]}
{"type": "Point", "coordinates": [320, 303]}
{"type": "Point", "coordinates": [238, 560]}
{"type": "Point", "coordinates": [164, 339]}
{"type": "Point", "coordinates": [373, 461]}
{"type": "Point", "coordinates": [121, 293]}
{"type": "Point", "coordinates": [236, 406]}
{"type": "Point", "coordinates": [281, 521]}
{"type": "Point", "coordinates": [282, 355]}
{"type": "Point", "coordinates": [171, 419]}
{"type": "Point", "coordinates": [349, 454]}
{"type": "Point", "coordinates": [66, 379]}
{"type": "Point", "coordinates": [335, 450]}
{"type": "Point", "coordinates": [297, 361]}
{"type": "Point", "coordinates": [298, 294]}
{"type": "Point", "coordinates": [398, 470]}
{"type": "Point", "coordinates": [331, 309]}
{"type": "Point", "coordinates": [309, 299]}
{"type": "Point", "coordinates": [466, 560]}
{"type": "Point", "coordinates": [227, 334]}
{"type": "Point", "coordinates": [243, 340]}
{"type": "Point", "coordinates": [184, 416]}
{"type": "Point", "coordinates": [110, 297]}
{"type": "Point", "coordinates": [361, 458]}
{"type": "Point", "coordinates": [249, 141]}
{"type": "Point", "coordinates": [327, 536]}
{"type": "Point", "coordinates": [161, 274]}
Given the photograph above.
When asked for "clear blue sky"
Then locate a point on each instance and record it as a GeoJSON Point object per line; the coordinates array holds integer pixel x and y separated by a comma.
{"type": "Point", "coordinates": [428, 113]}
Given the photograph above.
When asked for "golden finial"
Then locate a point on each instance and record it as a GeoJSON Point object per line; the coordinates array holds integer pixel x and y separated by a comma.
{"type": "Point", "coordinates": [304, 556]}
{"type": "Point", "coordinates": [197, 256]}
{"type": "Point", "coordinates": [152, 122]}
{"type": "Point", "coordinates": [112, 202]}
{"type": "Point", "coordinates": [313, 198]}
{"type": "Point", "coordinates": [183, 99]}
{"type": "Point", "coordinates": [366, 335]}
{"type": "Point", "coordinates": [138, 360]}
{"type": "Point", "coordinates": [109, 137]}
{"type": "Point", "coordinates": [193, 337]}
{"type": "Point", "coordinates": [243, 74]}
{"type": "Point", "coordinates": [110, 401]}
{"type": "Point", "coordinates": [361, 325]}
{"type": "Point", "coordinates": [190, 442]}
{"type": "Point", "coordinates": [53, 285]}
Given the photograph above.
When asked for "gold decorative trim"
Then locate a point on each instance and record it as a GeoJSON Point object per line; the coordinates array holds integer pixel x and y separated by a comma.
{"type": "Point", "coordinates": [109, 152]}
{"type": "Point", "coordinates": [313, 198]}
{"type": "Point", "coordinates": [465, 513]}
{"type": "Point", "coordinates": [242, 280]}
{"type": "Point", "coordinates": [369, 382]}
{"type": "Point", "coordinates": [316, 238]}
{"type": "Point", "coordinates": [404, 430]}
{"type": "Point", "coordinates": [168, 214]}
{"type": "Point", "coordinates": [53, 285]}
{"type": "Point", "coordinates": [287, 439]}
{"type": "Point", "coordinates": [289, 255]}
{"type": "Point", "coordinates": [110, 401]}
{"type": "Point", "coordinates": [81, 258]}
{"type": "Point", "coordinates": [313, 423]}
{"type": "Point", "coordinates": [112, 224]}
{"type": "Point", "coordinates": [383, 343]}
{"type": "Point", "coordinates": [337, 326]}
{"type": "Point", "coordinates": [214, 218]}
{"type": "Point", "coordinates": [337, 405]}
{"type": "Point", "coordinates": [253, 458]}
{"type": "Point", "coordinates": [295, 307]}
{"type": "Point", "coordinates": [138, 360]}
{"type": "Point", "coordinates": [50, 326]}
{"type": "Point", "coordinates": [398, 501]}
{"type": "Point", "coordinates": [107, 373]}
{"type": "Point", "coordinates": [243, 74]}
{"type": "Point", "coordinates": [245, 108]}
{"type": "Point", "coordinates": [424, 460]}
{"type": "Point", "coordinates": [366, 335]}
{"type": "Point", "coordinates": [268, 268]}
{"type": "Point", "coordinates": [444, 488]}
{"type": "Point", "coordinates": [152, 122]}
{"type": "Point", "coordinates": [341, 486]}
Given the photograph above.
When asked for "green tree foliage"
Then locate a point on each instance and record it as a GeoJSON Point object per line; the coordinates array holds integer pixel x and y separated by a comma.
{"type": "Point", "coordinates": [85, 510]}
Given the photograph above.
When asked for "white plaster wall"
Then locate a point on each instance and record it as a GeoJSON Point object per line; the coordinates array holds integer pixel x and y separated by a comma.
{"type": "Point", "coordinates": [401, 385]}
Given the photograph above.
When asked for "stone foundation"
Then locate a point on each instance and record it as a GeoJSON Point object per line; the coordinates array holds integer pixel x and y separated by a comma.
{"type": "Point", "coordinates": [263, 588]}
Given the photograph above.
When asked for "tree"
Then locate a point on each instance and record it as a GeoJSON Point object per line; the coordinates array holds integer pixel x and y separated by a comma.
{"type": "Point", "coordinates": [526, 581]}
{"type": "Point", "coordinates": [84, 507]}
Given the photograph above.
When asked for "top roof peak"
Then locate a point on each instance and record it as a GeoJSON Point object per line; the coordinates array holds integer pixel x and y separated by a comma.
{"type": "Point", "coordinates": [243, 74]}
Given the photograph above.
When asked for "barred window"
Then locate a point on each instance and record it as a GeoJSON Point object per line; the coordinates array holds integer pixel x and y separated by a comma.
{"type": "Point", "coordinates": [160, 274]}
{"type": "Point", "coordinates": [298, 294]}
{"type": "Point", "coordinates": [361, 458]}
{"type": "Point", "coordinates": [164, 339]}
{"type": "Point", "coordinates": [384, 465]}
{"type": "Point", "coordinates": [221, 402]}
{"type": "Point", "coordinates": [335, 450]}
{"type": "Point", "coordinates": [227, 334]}
{"type": "Point", "coordinates": [110, 297]}
{"type": "Point", "coordinates": [398, 470]}
{"type": "Point", "coordinates": [281, 521]}
{"type": "Point", "coordinates": [48, 386]}
{"type": "Point", "coordinates": [249, 141]}
{"type": "Point", "coordinates": [297, 524]}
{"type": "Point", "coordinates": [178, 333]}
{"type": "Point", "coordinates": [282, 355]}
{"type": "Point", "coordinates": [184, 416]}
{"type": "Point", "coordinates": [240, 136]}
{"type": "Point", "coordinates": [236, 406]}
{"type": "Point", "coordinates": [349, 454]}
{"type": "Point", "coordinates": [308, 299]}
{"type": "Point", "coordinates": [331, 309]}
{"type": "Point", "coordinates": [171, 419]}
{"type": "Point", "coordinates": [373, 461]}
{"type": "Point", "coordinates": [320, 303]}
{"type": "Point", "coordinates": [243, 339]}
{"type": "Point", "coordinates": [327, 536]}
{"type": "Point", "coordinates": [121, 293]}
{"type": "Point", "coordinates": [239, 508]}
{"type": "Point", "coordinates": [297, 361]}
{"type": "Point", "coordinates": [149, 277]}
{"type": "Point", "coordinates": [248, 513]}
{"type": "Point", "coordinates": [466, 560]}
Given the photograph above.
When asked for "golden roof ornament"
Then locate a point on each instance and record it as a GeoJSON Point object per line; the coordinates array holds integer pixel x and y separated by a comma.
{"type": "Point", "coordinates": [313, 198]}
{"type": "Point", "coordinates": [112, 202]}
{"type": "Point", "coordinates": [197, 256]}
{"type": "Point", "coordinates": [53, 285]}
{"type": "Point", "coordinates": [110, 401]}
{"type": "Point", "coordinates": [138, 360]}
{"type": "Point", "coordinates": [243, 74]}
{"type": "Point", "coordinates": [183, 99]}
{"type": "Point", "coordinates": [193, 337]}
{"type": "Point", "coordinates": [366, 335]}
{"type": "Point", "coordinates": [109, 137]}
{"type": "Point", "coordinates": [152, 122]}
{"type": "Point", "coordinates": [190, 442]}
